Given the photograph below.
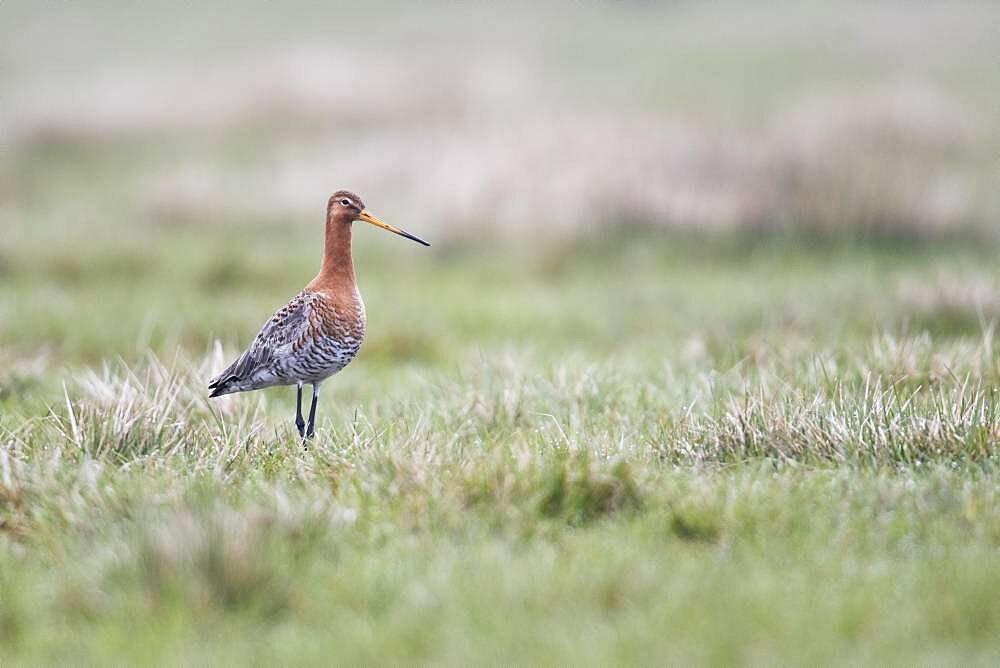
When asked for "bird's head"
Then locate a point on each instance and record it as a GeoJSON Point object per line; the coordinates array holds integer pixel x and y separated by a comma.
{"type": "Point", "coordinates": [345, 207]}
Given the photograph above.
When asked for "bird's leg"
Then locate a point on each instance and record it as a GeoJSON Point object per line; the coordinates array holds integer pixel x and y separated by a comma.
{"type": "Point", "coordinates": [299, 422]}
{"type": "Point", "coordinates": [311, 427]}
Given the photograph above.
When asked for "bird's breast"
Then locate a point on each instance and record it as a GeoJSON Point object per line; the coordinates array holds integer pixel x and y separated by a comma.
{"type": "Point", "coordinates": [340, 318]}
{"type": "Point", "coordinates": [330, 340]}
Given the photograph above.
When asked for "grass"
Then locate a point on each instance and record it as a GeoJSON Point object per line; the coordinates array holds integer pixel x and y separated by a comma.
{"type": "Point", "coordinates": [723, 566]}
{"type": "Point", "coordinates": [701, 367]}
{"type": "Point", "coordinates": [518, 466]}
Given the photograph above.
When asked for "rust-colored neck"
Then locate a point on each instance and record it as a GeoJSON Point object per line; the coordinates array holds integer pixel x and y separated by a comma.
{"type": "Point", "coordinates": [336, 274]}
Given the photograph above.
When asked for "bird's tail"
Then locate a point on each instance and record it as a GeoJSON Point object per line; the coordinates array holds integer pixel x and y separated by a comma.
{"type": "Point", "coordinates": [219, 391]}
{"type": "Point", "coordinates": [224, 383]}
{"type": "Point", "coordinates": [235, 377]}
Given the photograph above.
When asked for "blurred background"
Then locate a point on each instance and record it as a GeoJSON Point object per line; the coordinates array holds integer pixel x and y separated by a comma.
{"type": "Point", "coordinates": [713, 288]}
{"type": "Point", "coordinates": [639, 178]}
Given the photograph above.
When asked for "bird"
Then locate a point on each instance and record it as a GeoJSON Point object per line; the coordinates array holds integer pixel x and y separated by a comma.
{"type": "Point", "coordinates": [320, 330]}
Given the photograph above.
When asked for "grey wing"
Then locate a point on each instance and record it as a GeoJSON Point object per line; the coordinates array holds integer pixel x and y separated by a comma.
{"type": "Point", "coordinates": [275, 339]}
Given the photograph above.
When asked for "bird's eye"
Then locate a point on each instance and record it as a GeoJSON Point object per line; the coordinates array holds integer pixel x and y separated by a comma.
{"type": "Point", "coordinates": [345, 202]}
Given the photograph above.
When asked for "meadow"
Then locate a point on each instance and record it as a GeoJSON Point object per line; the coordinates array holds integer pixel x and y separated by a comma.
{"type": "Point", "coordinates": [700, 368]}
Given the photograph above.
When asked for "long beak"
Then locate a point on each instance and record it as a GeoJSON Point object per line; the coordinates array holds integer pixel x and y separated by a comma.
{"type": "Point", "coordinates": [368, 218]}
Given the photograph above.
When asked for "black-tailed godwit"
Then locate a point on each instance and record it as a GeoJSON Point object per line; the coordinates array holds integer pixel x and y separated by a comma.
{"type": "Point", "coordinates": [320, 330]}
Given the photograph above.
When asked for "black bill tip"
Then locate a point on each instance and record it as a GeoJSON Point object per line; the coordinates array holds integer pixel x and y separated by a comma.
{"type": "Point", "coordinates": [414, 238]}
